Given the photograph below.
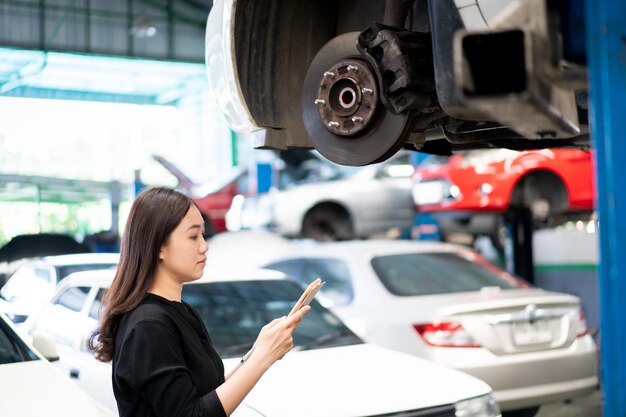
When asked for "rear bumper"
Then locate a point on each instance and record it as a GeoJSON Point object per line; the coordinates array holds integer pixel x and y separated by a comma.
{"type": "Point", "coordinates": [531, 379]}
{"type": "Point", "coordinates": [542, 394]}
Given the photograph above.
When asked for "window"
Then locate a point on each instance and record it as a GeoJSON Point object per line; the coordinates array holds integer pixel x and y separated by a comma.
{"type": "Point", "coordinates": [338, 287]}
{"type": "Point", "coordinates": [437, 273]}
{"type": "Point", "coordinates": [234, 313]}
{"type": "Point", "coordinates": [24, 281]}
{"type": "Point", "coordinates": [65, 270]}
{"type": "Point", "coordinates": [43, 274]}
{"type": "Point", "coordinates": [73, 298]}
{"type": "Point", "coordinates": [12, 348]}
{"type": "Point", "coordinates": [289, 268]}
{"type": "Point", "coordinates": [96, 307]}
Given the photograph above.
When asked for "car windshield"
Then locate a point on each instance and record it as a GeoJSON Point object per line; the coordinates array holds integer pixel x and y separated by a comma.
{"type": "Point", "coordinates": [65, 270]}
{"type": "Point", "coordinates": [410, 274]}
{"type": "Point", "coordinates": [12, 348]}
{"type": "Point", "coordinates": [234, 313]}
{"type": "Point", "coordinates": [27, 280]}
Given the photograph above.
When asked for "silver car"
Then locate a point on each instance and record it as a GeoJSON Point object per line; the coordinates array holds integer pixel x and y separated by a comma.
{"type": "Point", "coordinates": [357, 202]}
{"type": "Point", "coordinates": [446, 303]}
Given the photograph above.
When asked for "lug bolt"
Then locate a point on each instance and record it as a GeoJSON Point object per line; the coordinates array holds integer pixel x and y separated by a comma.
{"type": "Point", "coordinates": [367, 91]}
{"type": "Point", "coordinates": [320, 102]}
{"type": "Point", "coordinates": [333, 125]}
{"type": "Point", "coordinates": [329, 74]}
{"type": "Point", "coordinates": [357, 119]}
{"type": "Point", "coordinates": [353, 68]}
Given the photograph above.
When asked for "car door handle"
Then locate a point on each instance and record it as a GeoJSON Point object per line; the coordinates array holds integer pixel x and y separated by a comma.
{"type": "Point", "coordinates": [74, 373]}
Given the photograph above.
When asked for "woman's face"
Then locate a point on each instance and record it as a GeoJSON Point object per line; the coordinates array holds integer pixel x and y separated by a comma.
{"type": "Point", "coordinates": [183, 254]}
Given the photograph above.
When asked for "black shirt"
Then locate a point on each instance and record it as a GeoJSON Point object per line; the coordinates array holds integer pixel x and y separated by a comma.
{"type": "Point", "coordinates": [165, 363]}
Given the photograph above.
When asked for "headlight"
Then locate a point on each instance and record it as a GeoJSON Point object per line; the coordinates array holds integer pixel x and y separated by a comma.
{"type": "Point", "coordinates": [434, 192]}
{"type": "Point", "coordinates": [484, 406]}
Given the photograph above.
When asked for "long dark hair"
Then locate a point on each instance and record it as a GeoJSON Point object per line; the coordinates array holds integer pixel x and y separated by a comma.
{"type": "Point", "coordinates": [154, 215]}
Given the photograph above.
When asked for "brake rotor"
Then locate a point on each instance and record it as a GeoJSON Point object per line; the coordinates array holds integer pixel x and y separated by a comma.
{"type": "Point", "coordinates": [341, 108]}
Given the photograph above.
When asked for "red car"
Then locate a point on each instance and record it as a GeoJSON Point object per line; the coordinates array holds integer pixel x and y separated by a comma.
{"type": "Point", "coordinates": [214, 198]}
{"type": "Point", "coordinates": [465, 190]}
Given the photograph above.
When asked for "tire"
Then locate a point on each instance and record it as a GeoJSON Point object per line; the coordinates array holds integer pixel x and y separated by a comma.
{"type": "Point", "coordinates": [543, 193]}
{"type": "Point", "coordinates": [327, 223]}
{"type": "Point", "coordinates": [524, 412]}
{"type": "Point", "coordinates": [500, 234]}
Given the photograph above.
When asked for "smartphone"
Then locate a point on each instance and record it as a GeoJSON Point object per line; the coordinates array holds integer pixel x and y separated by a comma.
{"type": "Point", "coordinates": [308, 295]}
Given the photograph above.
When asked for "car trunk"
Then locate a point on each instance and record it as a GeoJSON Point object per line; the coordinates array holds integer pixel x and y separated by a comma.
{"type": "Point", "coordinates": [513, 321]}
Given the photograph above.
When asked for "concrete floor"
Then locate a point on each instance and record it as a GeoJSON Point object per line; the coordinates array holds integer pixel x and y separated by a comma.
{"type": "Point", "coordinates": [588, 406]}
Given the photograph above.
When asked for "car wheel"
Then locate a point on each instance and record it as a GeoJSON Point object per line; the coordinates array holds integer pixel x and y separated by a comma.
{"type": "Point", "coordinates": [524, 412]}
{"type": "Point", "coordinates": [543, 193]}
{"type": "Point", "coordinates": [327, 222]}
{"type": "Point", "coordinates": [500, 234]}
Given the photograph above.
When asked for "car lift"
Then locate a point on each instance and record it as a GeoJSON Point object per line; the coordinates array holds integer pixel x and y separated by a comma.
{"type": "Point", "coordinates": [606, 57]}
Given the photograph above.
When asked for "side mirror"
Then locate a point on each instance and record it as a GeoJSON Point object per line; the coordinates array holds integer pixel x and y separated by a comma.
{"type": "Point", "coordinates": [44, 343]}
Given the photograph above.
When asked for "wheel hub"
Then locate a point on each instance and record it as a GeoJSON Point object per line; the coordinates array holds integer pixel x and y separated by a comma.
{"type": "Point", "coordinates": [347, 97]}
{"type": "Point", "coordinates": [348, 124]}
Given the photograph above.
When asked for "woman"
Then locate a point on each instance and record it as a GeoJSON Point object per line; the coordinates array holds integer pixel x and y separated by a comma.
{"type": "Point", "coordinates": [163, 360]}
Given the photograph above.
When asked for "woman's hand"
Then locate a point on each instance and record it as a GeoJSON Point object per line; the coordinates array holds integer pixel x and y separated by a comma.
{"type": "Point", "coordinates": [273, 342]}
{"type": "Point", "coordinates": [275, 338]}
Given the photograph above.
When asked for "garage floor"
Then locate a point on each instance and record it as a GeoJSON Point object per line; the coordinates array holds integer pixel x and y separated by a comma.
{"type": "Point", "coordinates": [589, 406]}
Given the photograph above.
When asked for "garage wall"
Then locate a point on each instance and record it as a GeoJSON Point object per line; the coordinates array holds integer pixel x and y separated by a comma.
{"type": "Point", "coordinates": [566, 260]}
{"type": "Point", "coordinates": [208, 151]}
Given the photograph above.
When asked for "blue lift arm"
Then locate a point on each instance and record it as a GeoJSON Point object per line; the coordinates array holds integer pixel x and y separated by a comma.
{"type": "Point", "coordinates": [606, 55]}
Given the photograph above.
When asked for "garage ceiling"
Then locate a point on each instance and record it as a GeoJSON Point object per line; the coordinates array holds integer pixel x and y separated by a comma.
{"type": "Point", "coordinates": [56, 75]}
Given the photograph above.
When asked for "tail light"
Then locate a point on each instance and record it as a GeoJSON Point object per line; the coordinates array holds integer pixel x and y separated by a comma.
{"type": "Point", "coordinates": [582, 324]}
{"type": "Point", "coordinates": [445, 334]}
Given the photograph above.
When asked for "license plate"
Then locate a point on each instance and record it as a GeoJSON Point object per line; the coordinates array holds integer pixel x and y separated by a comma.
{"type": "Point", "coordinates": [531, 333]}
{"type": "Point", "coordinates": [429, 192]}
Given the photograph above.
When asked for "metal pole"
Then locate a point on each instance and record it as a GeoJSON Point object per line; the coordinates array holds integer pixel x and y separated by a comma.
{"type": "Point", "coordinates": [606, 46]}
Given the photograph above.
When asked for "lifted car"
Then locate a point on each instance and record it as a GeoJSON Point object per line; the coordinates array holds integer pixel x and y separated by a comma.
{"type": "Point", "coordinates": [470, 191]}
{"type": "Point", "coordinates": [360, 79]}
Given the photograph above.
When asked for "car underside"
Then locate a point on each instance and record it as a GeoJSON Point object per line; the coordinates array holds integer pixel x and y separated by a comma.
{"type": "Point", "coordinates": [360, 79]}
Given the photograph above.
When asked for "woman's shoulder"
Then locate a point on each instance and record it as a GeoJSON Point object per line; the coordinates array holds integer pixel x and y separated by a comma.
{"type": "Point", "coordinates": [149, 311]}
{"type": "Point", "coordinates": [145, 322]}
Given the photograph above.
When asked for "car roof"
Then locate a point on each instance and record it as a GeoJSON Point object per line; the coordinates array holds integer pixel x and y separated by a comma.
{"type": "Point", "coordinates": [371, 248]}
{"type": "Point", "coordinates": [103, 277]}
{"type": "Point", "coordinates": [81, 258]}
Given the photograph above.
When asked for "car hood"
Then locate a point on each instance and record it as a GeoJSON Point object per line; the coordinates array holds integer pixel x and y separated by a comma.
{"type": "Point", "coordinates": [36, 388]}
{"type": "Point", "coordinates": [356, 380]}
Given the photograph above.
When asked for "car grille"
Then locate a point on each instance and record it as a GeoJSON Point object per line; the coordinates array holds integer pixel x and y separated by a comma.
{"type": "Point", "coordinates": [441, 411]}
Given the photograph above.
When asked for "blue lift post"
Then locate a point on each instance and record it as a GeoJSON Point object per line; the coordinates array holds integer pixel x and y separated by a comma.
{"type": "Point", "coordinates": [606, 52]}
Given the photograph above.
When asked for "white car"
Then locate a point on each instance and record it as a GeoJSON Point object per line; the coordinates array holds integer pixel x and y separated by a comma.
{"type": "Point", "coordinates": [338, 375]}
{"type": "Point", "coordinates": [31, 386]}
{"type": "Point", "coordinates": [32, 285]}
{"type": "Point", "coordinates": [446, 303]}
